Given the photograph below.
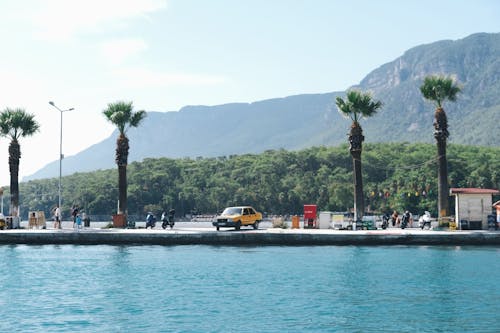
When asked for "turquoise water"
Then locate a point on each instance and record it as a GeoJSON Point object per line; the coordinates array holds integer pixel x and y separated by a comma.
{"type": "Point", "coordinates": [249, 289]}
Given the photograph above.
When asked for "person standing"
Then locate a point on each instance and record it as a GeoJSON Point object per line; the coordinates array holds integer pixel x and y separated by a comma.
{"type": "Point", "coordinates": [74, 213]}
{"type": "Point", "coordinates": [57, 217]}
{"type": "Point", "coordinates": [395, 219]}
{"type": "Point", "coordinates": [78, 222]}
{"type": "Point", "coordinates": [171, 214]}
{"type": "Point", "coordinates": [86, 220]}
{"type": "Point", "coordinates": [164, 220]}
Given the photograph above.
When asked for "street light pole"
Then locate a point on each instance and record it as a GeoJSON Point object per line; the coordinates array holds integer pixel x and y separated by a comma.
{"type": "Point", "coordinates": [60, 153]}
{"type": "Point", "coordinates": [1, 196]}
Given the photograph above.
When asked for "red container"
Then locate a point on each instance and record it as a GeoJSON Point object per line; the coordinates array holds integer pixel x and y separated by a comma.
{"type": "Point", "coordinates": [310, 213]}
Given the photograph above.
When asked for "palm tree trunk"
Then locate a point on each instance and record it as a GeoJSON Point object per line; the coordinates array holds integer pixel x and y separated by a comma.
{"type": "Point", "coordinates": [122, 148]}
{"type": "Point", "coordinates": [442, 179]}
{"type": "Point", "coordinates": [441, 134]}
{"type": "Point", "coordinates": [356, 139]}
{"type": "Point", "coordinates": [359, 205]}
{"type": "Point", "coordinates": [122, 189]}
{"type": "Point", "coordinates": [14, 157]}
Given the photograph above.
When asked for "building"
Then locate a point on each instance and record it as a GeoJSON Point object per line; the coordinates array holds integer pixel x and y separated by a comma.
{"type": "Point", "coordinates": [472, 207]}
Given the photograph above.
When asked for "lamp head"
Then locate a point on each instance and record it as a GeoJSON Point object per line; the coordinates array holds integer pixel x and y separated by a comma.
{"type": "Point", "coordinates": [51, 103]}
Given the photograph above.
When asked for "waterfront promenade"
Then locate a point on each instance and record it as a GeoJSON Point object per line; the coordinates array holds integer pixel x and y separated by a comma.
{"type": "Point", "coordinates": [202, 233]}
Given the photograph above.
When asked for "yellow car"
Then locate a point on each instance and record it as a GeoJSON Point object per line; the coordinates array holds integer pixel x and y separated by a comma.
{"type": "Point", "coordinates": [237, 217]}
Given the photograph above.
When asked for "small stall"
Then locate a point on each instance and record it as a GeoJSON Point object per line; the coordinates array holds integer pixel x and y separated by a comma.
{"type": "Point", "coordinates": [472, 207]}
{"type": "Point", "coordinates": [325, 220]}
{"type": "Point", "coordinates": [310, 217]}
{"type": "Point", "coordinates": [36, 220]}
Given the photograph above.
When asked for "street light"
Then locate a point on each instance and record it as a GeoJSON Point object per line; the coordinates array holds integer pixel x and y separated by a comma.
{"type": "Point", "coordinates": [60, 153]}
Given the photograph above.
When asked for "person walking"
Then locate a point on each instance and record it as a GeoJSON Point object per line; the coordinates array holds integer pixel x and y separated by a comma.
{"type": "Point", "coordinates": [57, 217]}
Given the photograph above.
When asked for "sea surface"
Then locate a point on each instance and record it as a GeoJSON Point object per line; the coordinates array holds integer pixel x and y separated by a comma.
{"type": "Point", "coordinates": [71, 288]}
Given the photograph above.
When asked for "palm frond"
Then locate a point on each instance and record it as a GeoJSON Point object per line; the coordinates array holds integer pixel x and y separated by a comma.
{"type": "Point", "coordinates": [358, 105]}
{"type": "Point", "coordinates": [121, 114]}
{"type": "Point", "coordinates": [16, 123]}
{"type": "Point", "coordinates": [439, 88]}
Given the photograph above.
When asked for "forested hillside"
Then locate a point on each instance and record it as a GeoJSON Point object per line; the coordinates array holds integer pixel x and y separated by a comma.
{"type": "Point", "coordinates": [302, 121]}
{"type": "Point", "coordinates": [397, 175]}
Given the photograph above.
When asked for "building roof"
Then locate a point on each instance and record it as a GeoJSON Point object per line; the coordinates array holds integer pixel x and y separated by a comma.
{"type": "Point", "coordinates": [469, 190]}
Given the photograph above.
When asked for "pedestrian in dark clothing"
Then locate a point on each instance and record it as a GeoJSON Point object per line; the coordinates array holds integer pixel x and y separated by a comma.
{"type": "Point", "coordinates": [74, 213]}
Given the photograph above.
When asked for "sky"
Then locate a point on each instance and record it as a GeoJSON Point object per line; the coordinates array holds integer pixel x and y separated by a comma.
{"type": "Point", "coordinates": [165, 54]}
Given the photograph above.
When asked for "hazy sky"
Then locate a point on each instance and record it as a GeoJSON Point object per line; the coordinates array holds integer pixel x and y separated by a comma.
{"type": "Point", "coordinates": [164, 54]}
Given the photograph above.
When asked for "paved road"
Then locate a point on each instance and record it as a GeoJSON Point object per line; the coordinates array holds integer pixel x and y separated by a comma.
{"type": "Point", "coordinates": [264, 226]}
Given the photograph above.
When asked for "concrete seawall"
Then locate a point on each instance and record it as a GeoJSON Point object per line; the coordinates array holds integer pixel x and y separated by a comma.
{"type": "Point", "coordinates": [295, 237]}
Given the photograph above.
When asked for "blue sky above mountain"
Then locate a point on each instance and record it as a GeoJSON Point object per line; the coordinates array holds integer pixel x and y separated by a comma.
{"type": "Point", "coordinates": [166, 54]}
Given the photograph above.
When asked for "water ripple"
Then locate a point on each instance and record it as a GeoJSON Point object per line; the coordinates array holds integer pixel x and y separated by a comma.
{"type": "Point", "coordinates": [249, 289]}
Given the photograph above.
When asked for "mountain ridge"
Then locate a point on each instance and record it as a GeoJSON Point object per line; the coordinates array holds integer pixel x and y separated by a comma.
{"type": "Point", "coordinates": [305, 120]}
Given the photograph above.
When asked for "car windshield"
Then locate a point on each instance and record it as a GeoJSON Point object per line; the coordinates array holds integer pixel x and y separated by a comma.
{"type": "Point", "coordinates": [231, 211]}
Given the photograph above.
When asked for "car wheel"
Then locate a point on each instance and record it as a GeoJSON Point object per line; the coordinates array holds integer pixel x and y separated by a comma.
{"type": "Point", "coordinates": [238, 225]}
{"type": "Point", "coordinates": [256, 225]}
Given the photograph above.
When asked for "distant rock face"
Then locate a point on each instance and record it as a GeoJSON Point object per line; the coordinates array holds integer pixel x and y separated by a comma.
{"type": "Point", "coordinates": [475, 58]}
{"type": "Point", "coordinates": [473, 61]}
{"type": "Point", "coordinates": [302, 121]}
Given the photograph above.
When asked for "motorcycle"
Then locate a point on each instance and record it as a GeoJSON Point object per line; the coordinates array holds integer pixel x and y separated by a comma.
{"type": "Point", "coordinates": [150, 221]}
{"type": "Point", "coordinates": [425, 221]}
{"type": "Point", "coordinates": [168, 220]}
{"type": "Point", "coordinates": [405, 220]}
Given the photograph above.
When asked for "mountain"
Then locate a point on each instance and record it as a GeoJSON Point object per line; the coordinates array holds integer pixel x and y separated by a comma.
{"type": "Point", "coordinates": [212, 131]}
{"type": "Point", "coordinates": [301, 121]}
{"type": "Point", "coordinates": [474, 61]}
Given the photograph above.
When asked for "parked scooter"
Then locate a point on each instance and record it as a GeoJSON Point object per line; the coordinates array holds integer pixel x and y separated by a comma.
{"type": "Point", "coordinates": [3, 223]}
{"type": "Point", "coordinates": [425, 221]}
{"type": "Point", "coordinates": [405, 220]}
{"type": "Point", "coordinates": [168, 220]}
{"type": "Point", "coordinates": [150, 220]}
{"type": "Point", "coordinates": [385, 221]}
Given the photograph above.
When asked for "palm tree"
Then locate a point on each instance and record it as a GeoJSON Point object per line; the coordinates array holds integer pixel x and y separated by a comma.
{"type": "Point", "coordinates": [438, 89]}
{"type": "Point", "coordinates": [122, 115]}
{"type": "Point", "coordinates": [357, 105]}
{"type": "Point", "coordinates": [16, 123]}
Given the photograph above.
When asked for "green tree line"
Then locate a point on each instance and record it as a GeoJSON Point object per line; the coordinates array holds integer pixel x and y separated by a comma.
{"type": "Point", "coordinates": [396, 176]}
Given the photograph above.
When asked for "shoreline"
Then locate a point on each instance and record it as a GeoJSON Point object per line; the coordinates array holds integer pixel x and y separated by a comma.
{"type": "Point", "coordinates": [248, 237]}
